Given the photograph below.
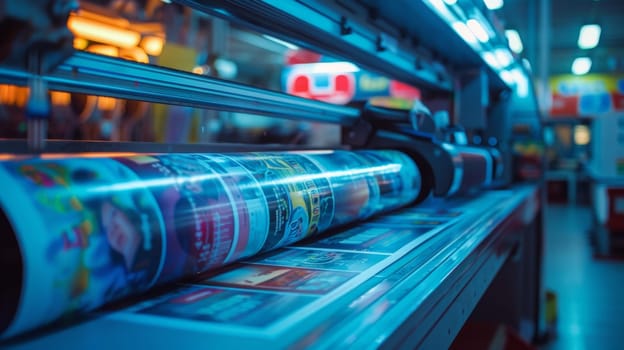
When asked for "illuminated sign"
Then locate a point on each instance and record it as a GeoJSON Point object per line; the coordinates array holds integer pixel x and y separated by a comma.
{"type": "Point", "coordinates": [341, 83]}
{"type": "Point", "coordinates": [586, 95]}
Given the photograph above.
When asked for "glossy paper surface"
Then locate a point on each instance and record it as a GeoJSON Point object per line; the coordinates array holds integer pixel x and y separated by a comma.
{"type": "Point", "coordinates": [92, 230]}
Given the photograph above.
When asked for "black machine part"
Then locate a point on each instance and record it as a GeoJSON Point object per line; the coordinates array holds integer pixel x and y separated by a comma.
{"type": "Point", "coordinates": [382, 128]}
{"type": "Point", "coordinates": [35, 27]}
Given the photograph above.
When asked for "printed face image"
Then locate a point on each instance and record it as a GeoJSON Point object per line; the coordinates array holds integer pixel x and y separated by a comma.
{"type": "Point", "coordinates": [122, 236]}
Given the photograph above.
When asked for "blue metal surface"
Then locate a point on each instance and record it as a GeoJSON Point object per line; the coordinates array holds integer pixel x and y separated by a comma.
{"type": "Point", "coordinates": [100, 75]}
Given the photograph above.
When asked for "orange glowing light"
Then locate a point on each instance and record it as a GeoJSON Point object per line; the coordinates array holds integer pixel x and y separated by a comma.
{"type": "Point", "coordinates": [102, 32]}
{"type": "Point", "coordinates": [80, 43]}
{"type": "Point", "coordinates": [105, 50]}
{"type": "Point", "coordinates": [106, 103]}
{"type": "Point", "coordinates": [153, 45]}
{"type": "Point", "coordinates": [12, 95]}
{"type": "Point", "coordinates": [60, 98]}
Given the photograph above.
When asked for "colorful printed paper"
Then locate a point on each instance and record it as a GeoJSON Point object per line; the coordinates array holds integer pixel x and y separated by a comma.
{"type": "Point", "coordinates": [92, 230]}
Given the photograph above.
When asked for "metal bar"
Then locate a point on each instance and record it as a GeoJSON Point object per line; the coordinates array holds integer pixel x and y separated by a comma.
{"type": "Point", "coordinates": [20, 147]}
{"type": "Point", "coordinates": [325, 27]}
{"type": "Point", "coordinates": [100, 75]}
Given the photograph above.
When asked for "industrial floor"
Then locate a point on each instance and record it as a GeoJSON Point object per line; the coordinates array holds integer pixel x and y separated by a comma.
{"type": "Point", "coordinates": [590, 292]}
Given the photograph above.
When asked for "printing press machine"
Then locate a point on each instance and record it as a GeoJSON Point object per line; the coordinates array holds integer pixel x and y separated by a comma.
{"type": "Point", "coordinates": [480, 262]}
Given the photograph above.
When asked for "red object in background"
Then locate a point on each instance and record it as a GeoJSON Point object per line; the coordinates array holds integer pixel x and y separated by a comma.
{"type": "Point", "coordinates": [338, 88]}
{"type": "Point", "coordinates": [564, 106]}
{"type": "Point", "coordinates": [557, 191]}
{"type": "Point", "coordinates": [400, 90]}
{"type": "Point", "coordinates": [302, 56]}
{"type": "Point", "coordinates": [615, 221]}
{"type": "Point", "coordinates": [618, 101]}
{"type": "Point", "coordinates": [489, 336]}
{"type": "Point", "coordinates": [301, 85]}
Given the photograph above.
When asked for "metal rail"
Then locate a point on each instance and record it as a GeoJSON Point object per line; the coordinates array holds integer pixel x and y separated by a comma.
{"type": "Point", "coordinates": [100, 75]}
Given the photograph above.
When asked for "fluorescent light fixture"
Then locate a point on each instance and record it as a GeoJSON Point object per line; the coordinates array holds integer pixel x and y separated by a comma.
{"type": "Point", "coordinates": [464, 32]}
{"type": "Point", "coordinates": [281, 42]}
{"type": "Point", "coordinates": [490, 59]}
{"type": "Point", "coordinates": [507, 76]}
{"type": "Point", "coordinates": [581, 65]}
{"type": "Point", "coordinates": [443, 10]}
{"type": "Point", "coordinates": [439, 5]}
{"type": "Point", "coordinates": [589, 36]}
{"type": "Point", "coordinates": [504, 57]}
{"type": "Point", "coordinates": [450, 2]}
{"type": "Point", "coordinates": [102, 32]}
{"type": "Point", "coordinates": [493, 4]}
{"type": "Point", "coordinates": [522, 83]}
{"type": "Point", "coordinates": [477, 29]}
{"type": "Point", "coordinates": [515, 44]}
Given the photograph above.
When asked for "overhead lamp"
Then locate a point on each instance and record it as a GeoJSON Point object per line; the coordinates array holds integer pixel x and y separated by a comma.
{"type": "Point", "coordinates": [477, 29]}
{"type": "Point", "coordinates": [589, 36]}
{"type": "Point", "coordinates": [507, 76]}
{"type": "Point", "coordinates": [515, 44]}
{"type": "Point", "coordinates": [581, 65]}
{"type": "Point", "coordinates": [102, 32]}
{"type": "Point", "coordinates": [522, 83]}
{"type": "Point", "coordinates": [493, 4]}
{"type": "Point", "coordinates": [503, 56]}
{"type": "Point", "coordinates": [490, 59]}
{"type": "Point", "coordinates": [450, 2]}
{"type": "Point", "coordinates": [464, 32]}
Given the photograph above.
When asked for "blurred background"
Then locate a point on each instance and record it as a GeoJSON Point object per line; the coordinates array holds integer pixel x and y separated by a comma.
{"type": "Point", "coordinates": [572, 50]}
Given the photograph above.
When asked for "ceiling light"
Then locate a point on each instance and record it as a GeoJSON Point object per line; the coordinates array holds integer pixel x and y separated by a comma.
{"type": "Point", "coordinates": [477, 29]}
{"type": "Point", "coordinates": [490, 59]}
{"type": "Point", "coordinates": [493, 4]}
{"type": "Point", "coordinates": [504, 57]}
{"type": "Point", "coordinates": [522, 83]}
{"type": "Point", "coordinates": [515, 44]}
{"type": "Point", "coordinates": [589, 36]}
{"type": "Point", "coordinates": [581, 65]}
{"type": "Point", "coordinates": [507, 76]}
{"type": "Point", "coordinates": [464, 32]}
{"type": "Point", "coordinates": [450, 2]}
